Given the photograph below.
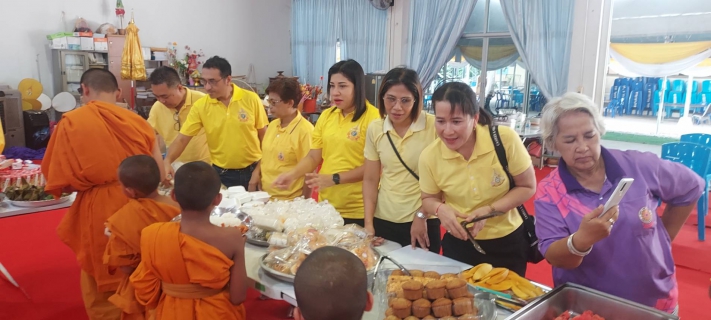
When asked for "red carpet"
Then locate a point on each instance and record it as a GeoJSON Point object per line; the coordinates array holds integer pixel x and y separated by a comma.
{"type": "Point", "coordinates": [48, 271]}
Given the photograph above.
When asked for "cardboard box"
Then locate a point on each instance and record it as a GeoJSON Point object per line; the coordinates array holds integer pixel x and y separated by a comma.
{"type": "Point", "coordinates": [73, 43]}
{"type": "Point", "coordinates": [101, 44]}
{"type": "Point", "coordinates": [58, 40]}
{"type": "Point", "coordinates": [83, 34]}
{"type": "Point", "coordinates": [87, 43]}
{"type": "Point", "coordinates": [99, 35]}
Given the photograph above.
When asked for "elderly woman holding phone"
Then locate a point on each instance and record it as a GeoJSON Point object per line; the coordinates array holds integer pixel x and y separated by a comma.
{"type": "Point", "coordinates": [625, 251]}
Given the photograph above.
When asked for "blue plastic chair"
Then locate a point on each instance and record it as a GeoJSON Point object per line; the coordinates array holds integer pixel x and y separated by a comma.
{"type": "Point", "coordinates": [706, 86]}
{"type": "Point", "coordinates": [696, 157]}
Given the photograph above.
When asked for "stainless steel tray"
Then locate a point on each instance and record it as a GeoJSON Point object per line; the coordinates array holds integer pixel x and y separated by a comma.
{"type": "Point", "coordinates": [290, 277]}
{"type": "Point", "coordinates": [38, 203]}
{"type": "Point", "coordinates": [577, 298]}
{"type": "Point", "coordinates": [260, 243]}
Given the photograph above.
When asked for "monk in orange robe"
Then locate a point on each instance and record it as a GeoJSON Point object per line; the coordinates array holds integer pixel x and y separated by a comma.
{"type": "Point", "coordinates": [139, 177]}
{"type": "Point", "coordinates": [83, 155]}
{"type": "Point", "coordinates": [192, 269]}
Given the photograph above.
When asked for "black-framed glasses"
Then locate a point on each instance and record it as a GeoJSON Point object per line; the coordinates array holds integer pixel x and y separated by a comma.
{"type": "Point", "coordinates": [176, 117]}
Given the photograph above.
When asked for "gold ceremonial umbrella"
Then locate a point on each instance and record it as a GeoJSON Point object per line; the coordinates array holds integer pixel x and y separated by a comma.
{"type": "Point", "coordinates": [132, 65]}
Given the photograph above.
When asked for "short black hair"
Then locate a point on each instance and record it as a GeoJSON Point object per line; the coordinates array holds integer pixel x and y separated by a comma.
{"type": "Point", "coordinates": [100, 80]}
{"type": "Point", "coordinates": [409, 79]}
{"type": "Point", "coordinates": [353, 71]}
{"type": "Point", "coordinates": [219, 63]}
{"type": "Point", "coordinates": [331, 283]}
{"type": "Point", "coordinates": [461, 95]}
{"type": "Point", "coordinates": [165, 75]}
{"type": "Point", "coordinates": [140, 173]}
{"type": "Point", "coordinates": [288, 89]}
{"type": "Point", "coordinates": [196, 186]}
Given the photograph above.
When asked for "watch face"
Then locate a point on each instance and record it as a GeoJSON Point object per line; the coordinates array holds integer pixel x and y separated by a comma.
{"type": "Point", "coordinates": [421, 215]}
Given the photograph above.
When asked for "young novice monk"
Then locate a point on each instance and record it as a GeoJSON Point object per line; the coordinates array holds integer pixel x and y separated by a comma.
{"type": "Point", "coordinates": [139, 177]}
{"type": "Point", "coordinates": [331, 284]}
{"type": "Point", "coordinates": [193, 269]}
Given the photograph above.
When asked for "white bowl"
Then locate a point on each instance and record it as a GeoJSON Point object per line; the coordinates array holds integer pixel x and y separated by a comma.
{"type": "Point", "coordinates": [237, 189]}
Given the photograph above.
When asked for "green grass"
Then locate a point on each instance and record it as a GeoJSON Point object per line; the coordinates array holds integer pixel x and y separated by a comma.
{"type": "Point", "coordinates": [637, 138]}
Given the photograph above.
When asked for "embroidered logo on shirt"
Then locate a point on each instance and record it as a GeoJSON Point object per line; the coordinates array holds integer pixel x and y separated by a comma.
{"type": "Point", "coordinates": [497, 179]}
{"type": "Point", "coordinates": [243, 116]}
{"type": "Point", "coordinates": [353, 133]}
{"type": "Point", "coordinates": [280, 156]}
{"type": "Point", "coordinates": [647, 218]}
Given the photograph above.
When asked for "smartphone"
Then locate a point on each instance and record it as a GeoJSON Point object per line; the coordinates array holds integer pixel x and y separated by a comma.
{"type": "Point", "coordinates": [617, 196]}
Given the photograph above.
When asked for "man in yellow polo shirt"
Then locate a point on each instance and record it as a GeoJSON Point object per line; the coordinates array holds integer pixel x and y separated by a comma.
{"type": "Point", "coordinates": [234, 121]}
{"type": "Point", "coordinates": [169, 113]}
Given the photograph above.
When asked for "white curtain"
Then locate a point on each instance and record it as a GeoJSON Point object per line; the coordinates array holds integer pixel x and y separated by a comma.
{"type": "Point", "coordinates": [436, 27]}
{"type": "Point", "coordinates": [661, 70]}
{"type": "Point", "coordinates": [364, 36]}
{"type": "Point", "coordinates": [490, 65]}
{"type": "Point", "coordinates": [315, 31]}
{"type": "Point", "coordinates": [542, 32]}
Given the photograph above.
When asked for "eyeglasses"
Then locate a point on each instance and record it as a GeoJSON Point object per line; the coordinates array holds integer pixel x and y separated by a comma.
{"type": "Point", "coordinates": [273, 102]}
{"type": "Point", "coordinates": [405, 102]}
{"type": "Point", "coordinates": [176, 117]}
{"type": "Point", "coordinates": [211, 82]}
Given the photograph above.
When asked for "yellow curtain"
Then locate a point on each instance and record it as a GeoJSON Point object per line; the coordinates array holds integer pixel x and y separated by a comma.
{"type": "Point", "coordinates": [495, 52]}
{"type": "Point", "coordinates": [659, 53]}
{"type": "Point", "coordinates": [132, 65]}
{"type": "Point", "coordinates": [705, 63]}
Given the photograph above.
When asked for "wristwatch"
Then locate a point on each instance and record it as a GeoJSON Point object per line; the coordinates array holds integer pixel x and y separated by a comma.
{"type": "Point", "coordinates": [421, 215]}
{"type": "Point", "coordinates": [336, 178]}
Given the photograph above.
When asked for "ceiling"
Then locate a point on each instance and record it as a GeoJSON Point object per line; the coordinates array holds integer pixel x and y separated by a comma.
{"type": "Point", "coordinates": [661, 20]}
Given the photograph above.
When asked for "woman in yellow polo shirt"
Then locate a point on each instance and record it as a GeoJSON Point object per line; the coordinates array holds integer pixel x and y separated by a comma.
{"type": "Point", "coordinates": [462, 168]}
{"type": "Point", "coordinates": [394, 143]}
{"type": "Point", "coordinates": [338, 140]}
{"type": "Point", "coordinates": [287, 140]}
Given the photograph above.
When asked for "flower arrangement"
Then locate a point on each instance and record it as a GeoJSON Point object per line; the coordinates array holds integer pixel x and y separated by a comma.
{"type": "Point", "coordinates": [310, 91]}
{"type": "Point", "coordinates": [120, 12]}
{"type": "Point", "coordinates": [187, 64]}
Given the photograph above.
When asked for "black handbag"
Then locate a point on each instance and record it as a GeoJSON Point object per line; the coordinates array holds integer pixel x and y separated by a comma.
{"type": "Point", "coordinates": [529, 222]}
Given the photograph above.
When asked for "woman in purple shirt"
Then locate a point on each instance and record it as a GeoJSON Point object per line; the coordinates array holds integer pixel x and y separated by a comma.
{"type": "Point", "coordinates": [633, 259]}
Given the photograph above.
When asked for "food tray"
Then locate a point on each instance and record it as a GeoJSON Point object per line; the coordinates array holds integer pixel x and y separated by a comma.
{"type": "Point", "coordinates": [37, 204]}
{"type": "Point", "coordinates": [520, 301]}
{"type": "Point", "coordinates": [577, 298]}
{"type": "Point", "coordinates": [484, 301]}
{"type": "Point", "coordinates": [290, 277]}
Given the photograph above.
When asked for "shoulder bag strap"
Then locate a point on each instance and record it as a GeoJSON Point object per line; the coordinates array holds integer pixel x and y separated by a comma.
{"type": "Point", "coordinates": [401, 161]}
{"type": "Point", "coordinates": [501, 154]}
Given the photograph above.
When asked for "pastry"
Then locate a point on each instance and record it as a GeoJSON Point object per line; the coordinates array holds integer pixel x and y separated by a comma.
{"type": "Point", "coordinates": [435, 289]}
{"type": "Point", "coordinates": [468, 316]}
{"type": "Point", "coordinates": [462, 306]}
{"type": "Point", "coordinates": [456, 288]}
{"type": "Point", "coordinates": [421, 308]}
{"type": "Point", "coordinates": [412, 290]}
{"type": "Point", "coordinates": [392, 318]}
{"type": "Point", "coordinates": [447, 276]}
{"type": "Point", "coordinates": [412, 318]}
{"type": "Point", "coordinates": [389, 312]}
{"type": "Point", "coordinates": [397, 273]}
{"type": "Point", "coordinates": [417, 273]}
{"type": "Point", "coordinates": [402, 308]}
{"type": "Point", "coordinates": [432, 275]}
{"type": "Point", "coordinates": [448, 318]}
{"type": "Point", "coordinates": [442, 308]}
{"type": "Point", "coordinates": [429, 317]}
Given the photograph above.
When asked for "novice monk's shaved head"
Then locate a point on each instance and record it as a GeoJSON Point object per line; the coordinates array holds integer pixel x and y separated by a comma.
{"type": "Point", "coordinates": [140, 173]}
{"type": "Point", "coordinates": [331, 284]}
{"type": "Point", "coordinates": [196, 186]}
{"type": "Point", "coordinates": [100, 80]}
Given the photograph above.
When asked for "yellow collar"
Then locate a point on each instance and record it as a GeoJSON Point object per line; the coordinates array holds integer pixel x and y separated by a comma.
{"type": "Point", "coordinates": [237, 94]}
{"type": "Point", "coordinates": [416, 126]}
{"type": "Point", "coordinates": [291, 125]}
{"type": "Point", "coordinates": [483, 144]}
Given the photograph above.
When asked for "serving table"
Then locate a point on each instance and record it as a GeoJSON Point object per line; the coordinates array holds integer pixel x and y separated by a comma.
{"type": "Point", "coordinates": [280, 290]}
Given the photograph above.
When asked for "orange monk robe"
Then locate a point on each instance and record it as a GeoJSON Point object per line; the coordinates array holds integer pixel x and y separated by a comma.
{"type": "Point", "coordinates": [175, 265]}
{"type": "Point", "coordinates": [84, 154]}
{"type": "Point", "coordinates": [124, 247]}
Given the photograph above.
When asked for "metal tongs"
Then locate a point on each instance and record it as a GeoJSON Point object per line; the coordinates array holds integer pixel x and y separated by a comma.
{"type": "Point", "coordinates": [466, 225]}
{"type": "Point", "coordinates": [377, 267]}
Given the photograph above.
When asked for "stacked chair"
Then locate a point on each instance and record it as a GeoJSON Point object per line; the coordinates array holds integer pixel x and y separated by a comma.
{"type": "Point", "coordinates": [694, 151]}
